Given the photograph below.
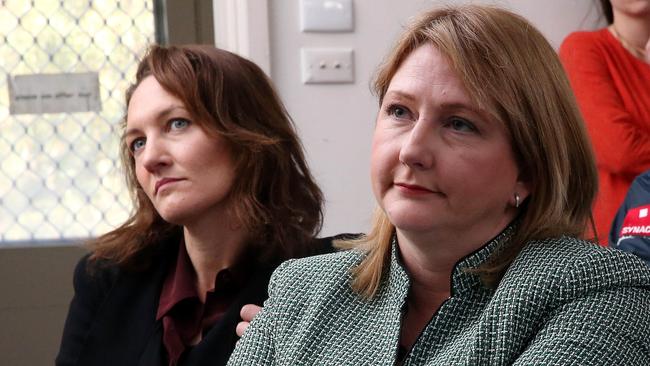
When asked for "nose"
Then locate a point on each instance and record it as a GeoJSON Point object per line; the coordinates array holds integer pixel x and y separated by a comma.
{"type": "Point", "coordinates": [417, 148]}
{"type": "Point", "coordinates": [154, 156]}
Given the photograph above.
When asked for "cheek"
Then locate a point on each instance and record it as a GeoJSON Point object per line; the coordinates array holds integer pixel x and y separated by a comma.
{"type": "Point", "coordinates": [496, 172]}
{"type": "Point", "coordinates": [139, 175]}
{"type": "Point", "coordinates": [219, 168]}
{"type": "Point", "coordinates": [383, 160]}
{"type": "Point", "coordinates": [375, 179]}
{"type": "Point", "coordinates": [203, 157]}
{"type": "Point", "coordinates": [142, 177]}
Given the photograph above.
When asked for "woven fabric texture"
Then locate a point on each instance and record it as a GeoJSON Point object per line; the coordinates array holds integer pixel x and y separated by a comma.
{"type": "Point", "coordinates": [563, 301]}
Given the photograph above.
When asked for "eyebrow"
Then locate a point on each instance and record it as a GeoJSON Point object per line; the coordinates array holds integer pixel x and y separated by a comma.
{"type": "Point", "coordinates": [160, 115]}
{"type": "Point", "coordinates": [399, 94]}
{"type": "Point", "coordinates": [450, 106]}
{"type": "Point", "coordinates": [456, 106]}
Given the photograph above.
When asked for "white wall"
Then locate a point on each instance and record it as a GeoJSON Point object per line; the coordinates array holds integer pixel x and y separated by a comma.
{"type": "Point", "coordinates": [336, 121]}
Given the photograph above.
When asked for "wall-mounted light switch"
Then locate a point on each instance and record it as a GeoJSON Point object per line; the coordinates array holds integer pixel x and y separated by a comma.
{"type": "Point", "coordinates": [327, 65]}
{"type": "Point", "coordinates": [326, 16]}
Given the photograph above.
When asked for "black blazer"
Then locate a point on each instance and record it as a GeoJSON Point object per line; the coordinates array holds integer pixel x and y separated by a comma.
{"type": "Point", "coordinates": [112, 316]}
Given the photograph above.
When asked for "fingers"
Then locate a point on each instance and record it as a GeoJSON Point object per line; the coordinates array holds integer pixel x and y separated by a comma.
{"type": "Point", "coordinates": [247, 314]}
{"type": "Point", "coordinates": [249, 311]}
{"type": "Point", "coordinates": [241, 327]}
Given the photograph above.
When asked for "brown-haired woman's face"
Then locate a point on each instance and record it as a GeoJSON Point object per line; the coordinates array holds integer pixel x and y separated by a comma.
{"type": "Point", "coordinates": [186, 173]}
{"type": "Point", "coordinates": [439, 164]}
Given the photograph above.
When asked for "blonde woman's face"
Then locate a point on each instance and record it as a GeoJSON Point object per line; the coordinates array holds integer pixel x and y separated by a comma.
{"type": "Point", "coordinates": [439, 164]}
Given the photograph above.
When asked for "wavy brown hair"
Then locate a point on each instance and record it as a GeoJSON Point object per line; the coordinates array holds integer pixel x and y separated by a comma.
{"type": "Point", "coordinates": [510, 71]}
{"type": "Point", "coordinates": [275, 196]}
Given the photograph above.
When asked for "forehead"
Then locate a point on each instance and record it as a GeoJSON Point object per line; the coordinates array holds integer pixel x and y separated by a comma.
{"type": "Point", "coordinates": [427, 70]}
{"type": "Point", "coordinates": [148, 101]}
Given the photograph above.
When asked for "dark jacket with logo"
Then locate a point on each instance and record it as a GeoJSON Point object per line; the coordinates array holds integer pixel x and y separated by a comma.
{"type": "Point", "coordinates": [112, 316]}
{"type": "Point", "coordinates": [631, 227]}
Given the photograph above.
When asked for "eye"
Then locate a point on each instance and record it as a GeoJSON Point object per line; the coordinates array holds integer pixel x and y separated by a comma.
{"type": "Point", "coordinates": [137, 144]}
{"type": "Point", "coordinates": [178, 123]}
{"type": "Point", "coordinates": [398, 111]}
{"type": "Point", "coordinates": [461, 124]}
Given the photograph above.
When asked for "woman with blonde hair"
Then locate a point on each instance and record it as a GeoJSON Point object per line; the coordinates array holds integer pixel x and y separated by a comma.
{"type": "Point", "coordinates": [484, 178]}
{"type": "Point", "coordinates": [222, 195]}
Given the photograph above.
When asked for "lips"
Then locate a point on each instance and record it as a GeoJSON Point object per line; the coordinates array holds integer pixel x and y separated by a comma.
{"type": "Point", "coordinates": [163, 181]}
{"type": "Point", "coordinates": [414, 188]}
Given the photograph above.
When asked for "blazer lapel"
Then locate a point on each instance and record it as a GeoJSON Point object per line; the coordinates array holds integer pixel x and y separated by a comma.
{"type": "Point", "coordinates": [219, 342]}
{"type": "Point", "coordinates": [126, 331]}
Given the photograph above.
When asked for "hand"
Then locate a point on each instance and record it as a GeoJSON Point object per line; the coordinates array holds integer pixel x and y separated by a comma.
{"type": "Point", "coordinates": [247, 314]}
{"type": "Point", "coordinates": [647, 52]}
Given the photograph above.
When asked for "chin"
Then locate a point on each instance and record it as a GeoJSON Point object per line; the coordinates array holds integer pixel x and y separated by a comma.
{"type": "Point", "coordinates": [411, 222]}
{"type": "Point", "coordinates": [415, 227]}
{"type": "Point", "coordinates": [175, 217]}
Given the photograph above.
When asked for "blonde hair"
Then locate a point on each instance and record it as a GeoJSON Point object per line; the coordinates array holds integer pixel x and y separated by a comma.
{"type": "Point", "coordinates": [510, 71]}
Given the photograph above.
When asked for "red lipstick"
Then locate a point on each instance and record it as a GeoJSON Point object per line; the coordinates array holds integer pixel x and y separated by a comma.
{"type": "Point", "coordinates": [413, 188]}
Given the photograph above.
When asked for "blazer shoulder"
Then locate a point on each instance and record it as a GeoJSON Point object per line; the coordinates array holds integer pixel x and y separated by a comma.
{"type": "Point", "coordinates": [573, 264]}
{"type": "Point", "coordinates": [642, 181]}
{"type": "Point", "coordinates": [327, 244]}
{"type": "Point", "coordinates": [316, 273]}
{"type": "Point", "coordinates": [320, 267]}
{"type": "Point", "coordinates": [93, 282]}
{"type": "Point", "coordinates": [96, 275]}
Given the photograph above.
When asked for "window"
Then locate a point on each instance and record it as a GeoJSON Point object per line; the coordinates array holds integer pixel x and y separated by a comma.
{"type": "Point", "coordinates": [60, 177]}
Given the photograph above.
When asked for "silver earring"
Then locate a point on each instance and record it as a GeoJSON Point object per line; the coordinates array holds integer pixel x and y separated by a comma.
{"type": "Point", "coordinates": [516, 200]}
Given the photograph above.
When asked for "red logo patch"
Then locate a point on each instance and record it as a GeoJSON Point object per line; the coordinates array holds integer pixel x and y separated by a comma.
{"type": "Point", "coordinates": [637, 222]}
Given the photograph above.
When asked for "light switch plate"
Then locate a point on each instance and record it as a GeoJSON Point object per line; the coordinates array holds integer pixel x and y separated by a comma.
{"type": "Point", "coordinates": [326, 16]}
{"type": "Point", "coordinates": [327, 65]}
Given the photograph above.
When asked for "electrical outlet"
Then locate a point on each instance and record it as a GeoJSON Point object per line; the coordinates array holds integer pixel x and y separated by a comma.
{"type": "Point", "coordinates": [327, 65]}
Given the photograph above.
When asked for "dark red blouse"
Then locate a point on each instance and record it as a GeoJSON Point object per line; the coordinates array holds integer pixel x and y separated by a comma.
{"type": "Point", "coordinates": [185, 318]}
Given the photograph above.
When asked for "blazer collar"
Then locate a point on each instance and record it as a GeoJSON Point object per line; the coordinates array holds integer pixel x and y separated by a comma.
{"type": "Point", "coordinates": [463, 281]}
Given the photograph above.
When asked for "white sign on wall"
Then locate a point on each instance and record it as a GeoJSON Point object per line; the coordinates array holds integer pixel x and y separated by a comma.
{"type": "Point", "coordinates": [54, 93]}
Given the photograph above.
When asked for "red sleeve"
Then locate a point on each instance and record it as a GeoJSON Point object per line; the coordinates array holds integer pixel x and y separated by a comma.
{"type": "Point", "coordinates": [622, 146]}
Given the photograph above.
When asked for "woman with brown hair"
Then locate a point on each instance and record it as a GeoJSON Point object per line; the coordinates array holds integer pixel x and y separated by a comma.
{"type": "Point", "coordinates": [222, 195]}
{"type": "Point", "coordinates": [484, 177]}
{"type": "Point", "coordinates": [609, 70]}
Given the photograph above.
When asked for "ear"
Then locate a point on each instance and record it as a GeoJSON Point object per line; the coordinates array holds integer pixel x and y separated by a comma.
{"type": "Point", "coordinates": [523, 189]}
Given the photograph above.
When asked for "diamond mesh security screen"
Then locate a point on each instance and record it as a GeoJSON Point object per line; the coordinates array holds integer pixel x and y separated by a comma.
{"type": "Point", "coordinates": [60, 177]}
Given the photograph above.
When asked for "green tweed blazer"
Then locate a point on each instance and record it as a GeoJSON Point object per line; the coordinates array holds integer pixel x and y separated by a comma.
{"type": "Point", "coordinates": [563, 301]}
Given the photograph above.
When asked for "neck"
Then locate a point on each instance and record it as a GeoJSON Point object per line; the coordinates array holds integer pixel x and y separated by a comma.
{"type": "Point", "coordinates": [429, 272]}
{"type": "Point", "coordinates": [430, 257]}
{"type": "Point", "coordinates": [212, 246]}
{"type": "Point", "coordinates": [430, 283]}
{"type": "Point", "coordinates": [430, 261]}
{"type": "Point", "coordinates": [632, 32]}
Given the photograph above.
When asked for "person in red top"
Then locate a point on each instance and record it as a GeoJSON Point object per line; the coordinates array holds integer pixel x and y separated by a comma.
{"type": "Point", "coordinates": [610, 75]}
